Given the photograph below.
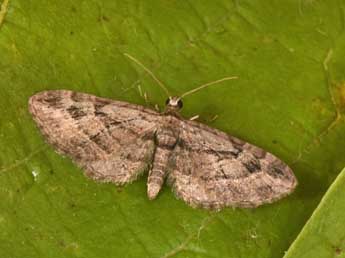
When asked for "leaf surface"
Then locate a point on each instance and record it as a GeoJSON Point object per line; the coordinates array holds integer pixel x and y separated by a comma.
{"type": "Point", "coordinates": [289, 99]}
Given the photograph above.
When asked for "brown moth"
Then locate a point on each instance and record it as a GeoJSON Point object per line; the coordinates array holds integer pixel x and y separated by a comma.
{"type": "Point", "coordinates": [116, 142]}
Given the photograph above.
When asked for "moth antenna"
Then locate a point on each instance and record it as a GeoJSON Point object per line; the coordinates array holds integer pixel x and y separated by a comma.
{"type": "Point", "coordinates": [206, 85]}
{"type": "Point", "coordinates": [149, 72]}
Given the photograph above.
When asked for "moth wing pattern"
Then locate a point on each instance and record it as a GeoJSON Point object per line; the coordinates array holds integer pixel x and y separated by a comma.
{"type": "Point", "coordinates": [211, 169]}
{"type": "Point", "coordinates": [112, 141]}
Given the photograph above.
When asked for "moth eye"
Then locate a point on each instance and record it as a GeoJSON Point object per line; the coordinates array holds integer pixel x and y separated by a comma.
{"type": "Point", "coordinates": [180, 104]}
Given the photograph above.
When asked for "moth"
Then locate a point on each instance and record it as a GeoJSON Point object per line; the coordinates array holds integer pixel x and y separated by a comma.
{"type": "Point", "coordinates": [115, 141]}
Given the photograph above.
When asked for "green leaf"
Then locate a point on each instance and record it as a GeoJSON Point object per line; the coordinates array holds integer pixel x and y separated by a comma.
{"type": "Point", "coordinates": [289, 99]}
{"type": "Point", "coordinates": [323, 235]}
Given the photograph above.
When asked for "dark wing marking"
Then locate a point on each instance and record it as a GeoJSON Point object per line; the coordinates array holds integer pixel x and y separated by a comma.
{"type": "Point", "coordinates": [213, 170]}
{"type": "Point", "coordinates": [111, 140]}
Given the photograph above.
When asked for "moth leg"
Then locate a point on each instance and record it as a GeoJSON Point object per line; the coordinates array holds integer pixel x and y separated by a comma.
{"type": "Point", "coordinates": [146, 99]}
{"type": "Point", "coordinates": [213, 118]}
{"type": "Point", "coordinates": [194, 118]}
{"type": "Point", "coordinates": [209, 120]}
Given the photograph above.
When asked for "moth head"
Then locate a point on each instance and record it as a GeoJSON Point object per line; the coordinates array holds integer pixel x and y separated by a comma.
{"type": "Point", "coordinates": [174, 103]}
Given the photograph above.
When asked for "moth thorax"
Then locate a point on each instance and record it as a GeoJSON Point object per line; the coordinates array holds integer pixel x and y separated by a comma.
{"type": "Point", "coordinates": [166, 138]}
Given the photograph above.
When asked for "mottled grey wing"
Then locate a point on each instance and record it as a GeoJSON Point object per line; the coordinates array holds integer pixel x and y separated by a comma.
{"type": "Point", "coordinates": [213, 170]}
{"type": "Point", "coordinates": [111, 140]}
